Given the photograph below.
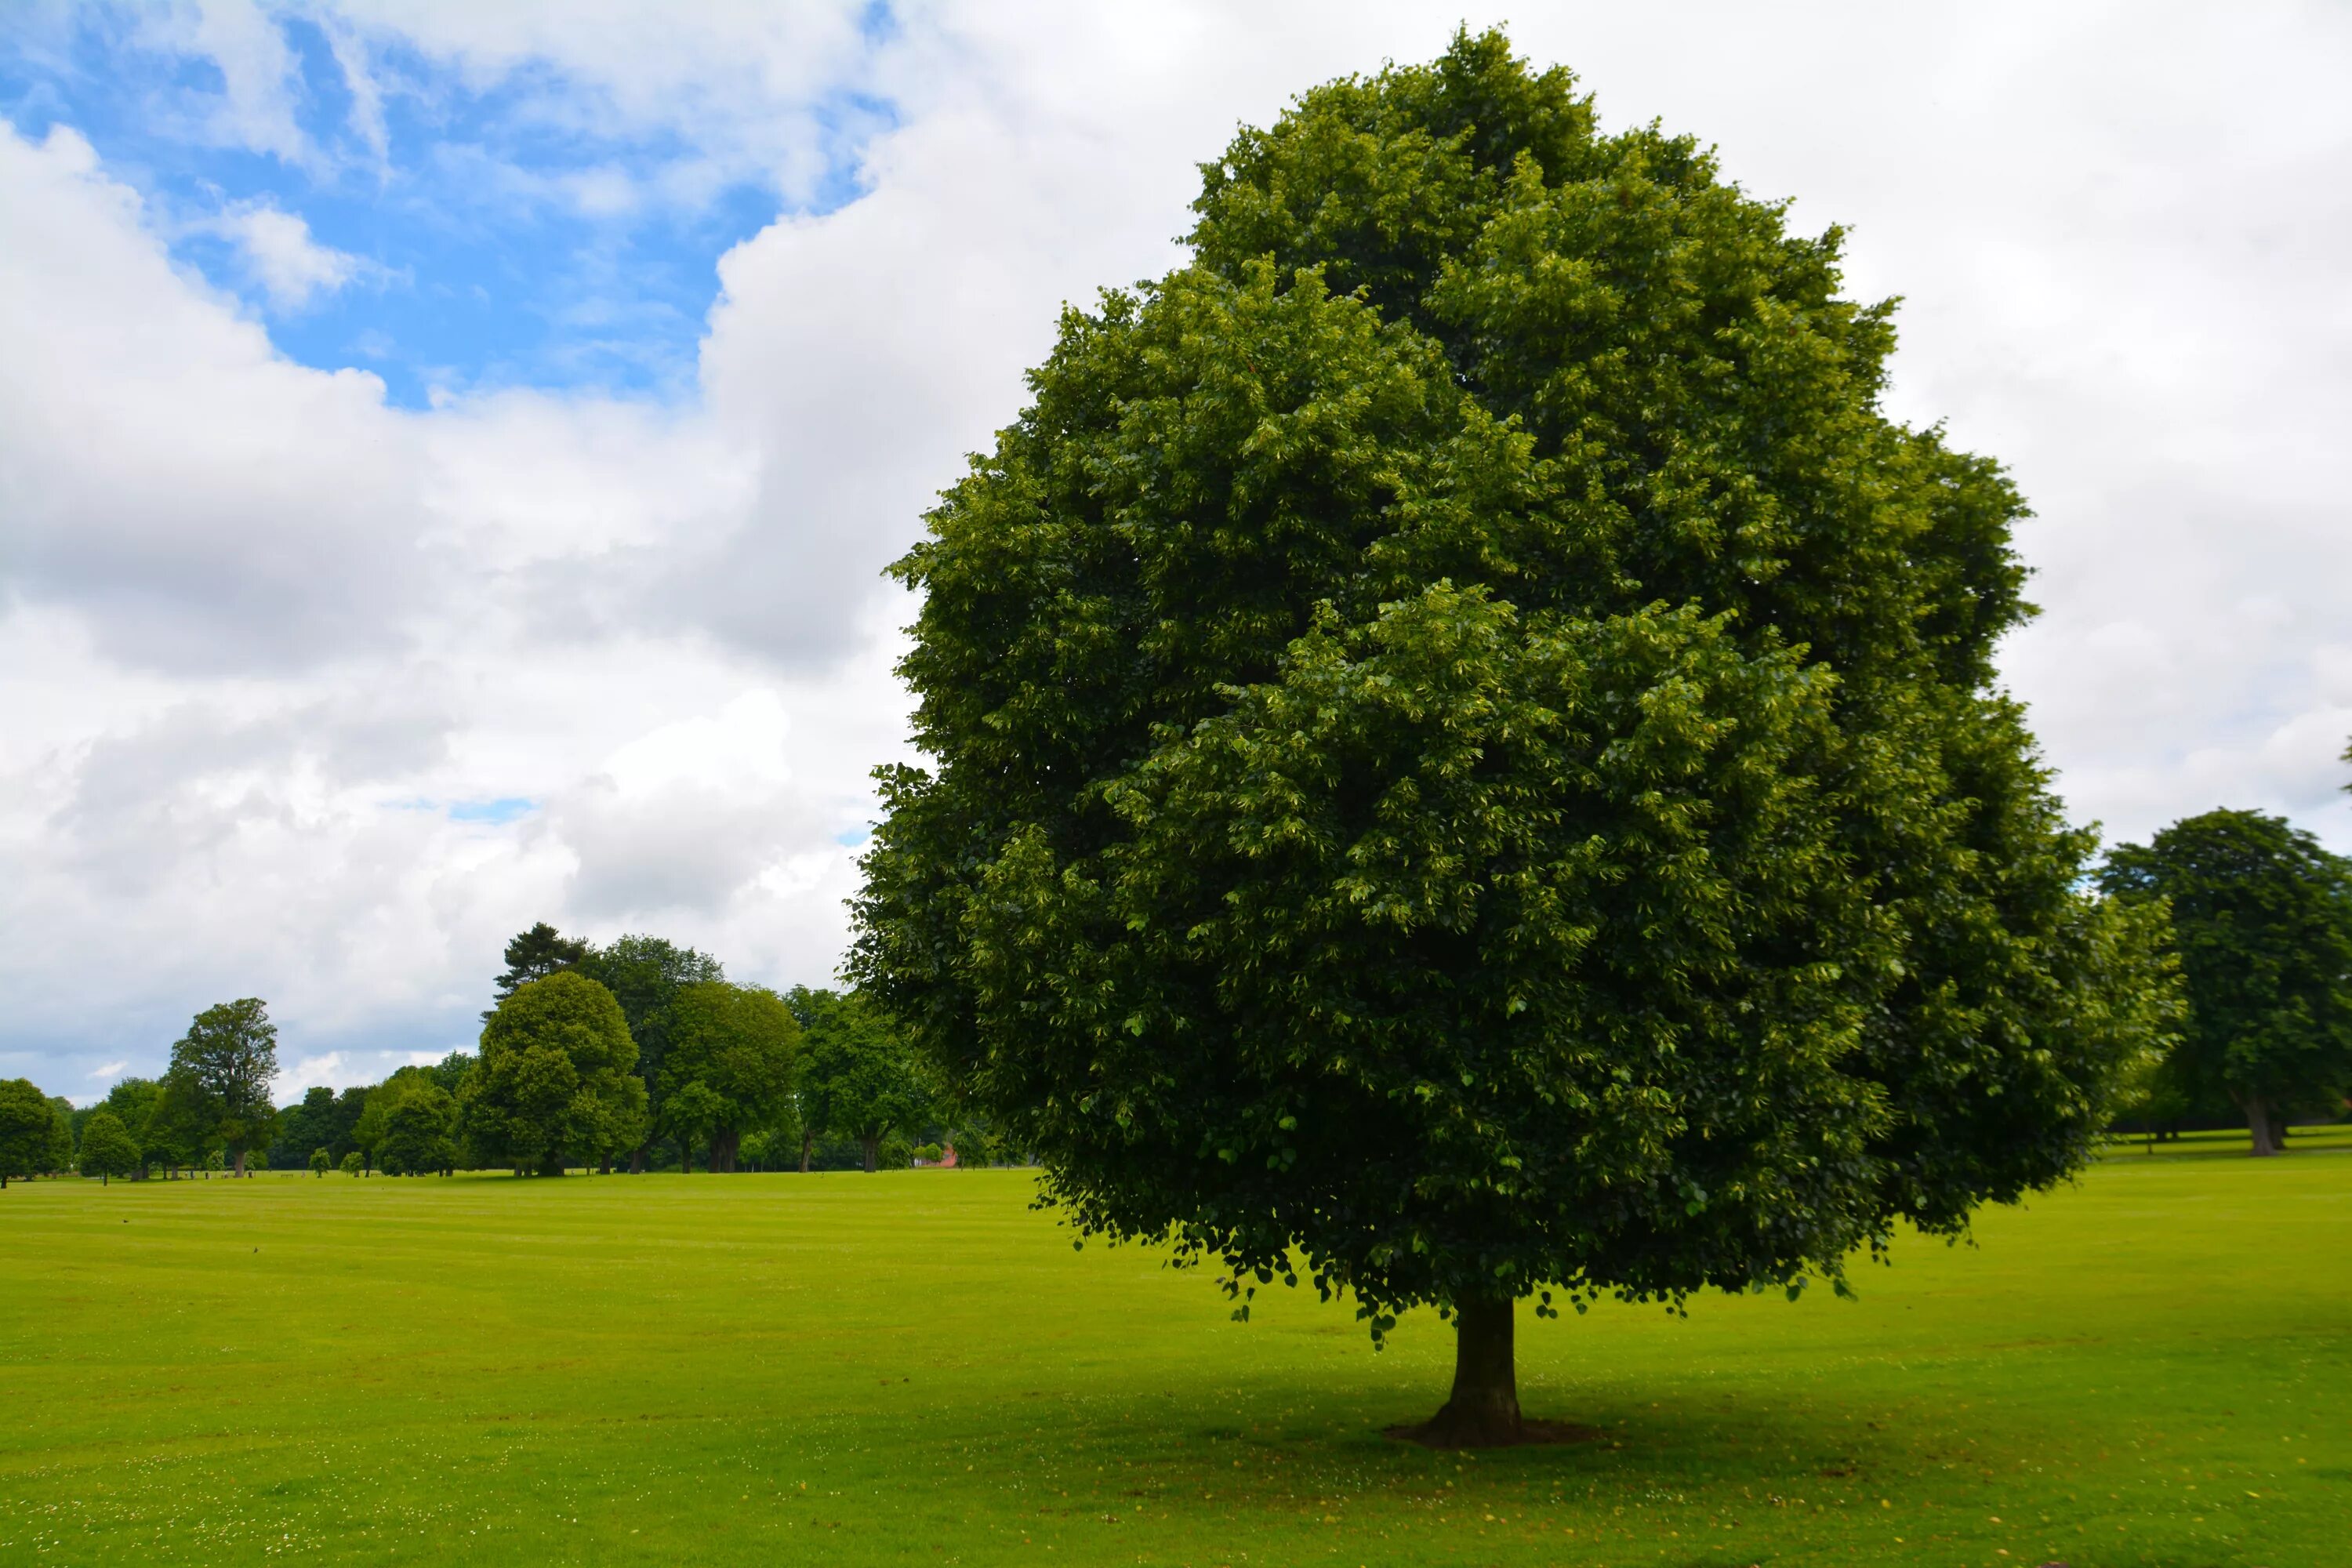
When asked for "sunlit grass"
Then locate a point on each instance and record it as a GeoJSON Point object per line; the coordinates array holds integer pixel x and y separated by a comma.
{"type": "Point", "coordinates": [2145, 1369]}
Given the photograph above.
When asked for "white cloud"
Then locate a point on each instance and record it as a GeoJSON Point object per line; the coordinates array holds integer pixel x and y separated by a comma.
{"type": "Point", "coordinates": [108, 1070]}
{"type": "Point", "coordinates": [279, 254]}
{"type": "Point", "coordinates": [254, 616]}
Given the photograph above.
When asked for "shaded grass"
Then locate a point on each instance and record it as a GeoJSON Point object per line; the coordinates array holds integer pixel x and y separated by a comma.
{"type": "Point", "coordinates": [2147, 1369]}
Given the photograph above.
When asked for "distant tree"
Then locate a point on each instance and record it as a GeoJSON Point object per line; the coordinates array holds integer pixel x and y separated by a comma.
{"type": "Point", "coordinates": [555, 1077]}
{"type": "Point", "coordinates": [304, 1125]}
{"type": "Point", "coordinates": [410, 1124]}
{"type": "Point", "coordinates": [736, 1043]}
{"type": "Point", "coordinates": [859, 1078]}
{"type": "Point", "coordinates": [451, 1071]}
{"type": "Point", "coordinates": [687, 1116]}
{"type": "Point", "coordinates": [418, 1136]}
{"type": "Point", "coordinates": [61, 1133]}
{"type": "Point", "coordinates": [350, 1106]}
{"type": "Point", "coordinates": [321, 1160]}
{"type": "Point", "coordinates": [27, 1130]}
{"type": "Point", "coordinates": [354, 1164]}
{"type": "Point", "coordinates": [108, 1149]}
{"type": "Point", "coordinates": [181, 1131]}
{"type": "Point", "coordinates": [645, 974]}
{"type": "Point", "coordinates": [2261, 917]}
{"type": "Point", "coordinates": [533, 956]}
{"type": "Point", "coordinates": [223, 1067]}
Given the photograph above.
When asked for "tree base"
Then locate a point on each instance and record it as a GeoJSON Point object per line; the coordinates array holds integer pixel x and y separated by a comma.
{"type": "Point", "coordinates": [1448, 1429]}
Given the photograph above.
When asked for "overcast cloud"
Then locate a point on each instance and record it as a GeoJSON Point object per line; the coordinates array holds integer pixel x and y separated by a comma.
{"type": "Point", "coordinates": [344, 633]}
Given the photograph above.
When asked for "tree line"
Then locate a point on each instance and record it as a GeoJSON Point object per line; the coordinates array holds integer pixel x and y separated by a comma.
{"type": "Point", "coordinates": [639, 1054]}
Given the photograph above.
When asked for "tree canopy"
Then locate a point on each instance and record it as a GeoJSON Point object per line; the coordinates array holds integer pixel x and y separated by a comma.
{"type": "Point", "coordinates": [645, 974]}
{"type": "Point", "coordinates": [108, 1150]}
{"type": "Point", "coordinates": [859, 1075]}
{"type": "Point", "coordinates": [2262, 917]}
{"type": "Point", "coordinates": [1462, 743]}
{"type": "Point", "coordinates": [28, 1131]}
{"type": "Point", "coordinates": [221, 1074]}
{"type": "Point", "coordinates": [533, 956]}
{"type": "Point", "coordinates": [556, 1076]}
{"type": "Point", "coordinates": [409, 1125]}
{"type": "Point", "coordinates": [731, 1052]}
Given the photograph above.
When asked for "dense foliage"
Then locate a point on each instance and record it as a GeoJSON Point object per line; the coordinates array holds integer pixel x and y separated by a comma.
{"type": "Point", "coordinates": [859, 1077]}
{"type": "Point", "coordinates": [556, 1078]}
{"type": "Point", "coordinates": [728, 1065]}
{"type": "Point", "coordinates": [2261, 917]}
{"type": "Point", "coordinates": [218, 1087]}
{"type": "Point", "coordinates": [30, 1132]}
{"type": "Point", "coordinates": [108, 1150]}
{"type": "Point", "coordinates": [1463, 741]}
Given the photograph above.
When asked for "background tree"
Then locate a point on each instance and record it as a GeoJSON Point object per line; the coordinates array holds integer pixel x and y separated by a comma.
{"type": "Point", "coordinates": [223, 1067]}
{"type": "Point", "coordinates": [556, 1076]}
{"type": "Point", "coordinates": [27, 1129]}
{"type": "Point", "coordinates": [533, 956]}
{"type": "Point", "coordinates": [688, 1115]}
{"type": "Point", "coordinates": [1463, 746]}
{"type": "Point", "coordinates": [859, 1078]}
{"type": "Point", "coordinates": [304, 1125]}
{"type": "Point", "coordinates": [739, 1043]}
{"type": "Point", "coordinates": [108, 1150]}
{"type": "Point", "coordinates": [61, 1133]}
{"type": "Point", "coordinates": [180, 1131]}
{"type": "Point", "coordinates": [2261, 917]}
{"type": "Point", "coordinates": [352, 1165]}
{"type": "Point", "coordinates": [134, 1100]}
{"type": "Point", "coordinates": [645, 974]}
{"type": "Point", "coordinates": [321, 1162]}
{"type": "Point", "coordinates": [410, 1125]}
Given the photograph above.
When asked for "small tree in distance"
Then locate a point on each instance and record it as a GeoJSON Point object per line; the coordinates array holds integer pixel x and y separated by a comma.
{"type": "Point", "coordinates": [108, 1149]}
{"type": "Point", "coordinates": [859, 1078]}
{"type": "Point", "coordinates": [1462, 745]}
{"type": "Point", "coordinates": [321, 1162]}
{"type": "Point", "coordinates": [556, 1076]}
{"type": "Point", "coordinates": [221, 1073]}
{"type": "Point", "coordinates": [2261, 917]}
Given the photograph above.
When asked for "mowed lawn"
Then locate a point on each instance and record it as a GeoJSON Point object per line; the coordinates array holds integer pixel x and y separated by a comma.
{"type": "Point", "coordinates": [2154, 1367]}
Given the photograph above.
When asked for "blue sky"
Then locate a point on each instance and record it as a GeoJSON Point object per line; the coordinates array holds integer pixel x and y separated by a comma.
{"type": "Point", "coordinates": [320, 696]}
{"type": "Point", "coordinates": [476, 231]}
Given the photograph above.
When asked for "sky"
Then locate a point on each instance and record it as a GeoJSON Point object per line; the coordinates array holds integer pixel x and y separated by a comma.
{"type": "Point", "coordinates": [449, 451]}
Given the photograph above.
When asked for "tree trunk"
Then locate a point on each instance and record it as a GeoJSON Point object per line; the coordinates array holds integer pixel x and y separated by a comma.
{"type": "Point", "coordinates": [872, 1146]}
{"type": "Point", "coordinates": [685, 1157]}
{"type": "Point", "coordinates": [240, 1162]}
{"type": "Point", "coordinates": [606, 1169]}
{"type": "Point", "coordinates": [808, 1141]}
{"type": "Point", "coordinates": [1483, 1410]}
{"type": "Point", "coordinates": [637, 1159]}
{"type": "Point", "coordinates": [2258, 1120]}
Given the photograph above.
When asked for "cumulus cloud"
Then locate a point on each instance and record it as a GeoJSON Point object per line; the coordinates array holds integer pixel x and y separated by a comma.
{"type": "Point", "coordinates": [291, 266]}
{"type": "Point", "coordinates": [262, 632]}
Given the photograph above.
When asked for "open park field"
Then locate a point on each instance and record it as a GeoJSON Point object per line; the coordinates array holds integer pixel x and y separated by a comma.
{"type": "Point", "coordinates": [2149, 1368]}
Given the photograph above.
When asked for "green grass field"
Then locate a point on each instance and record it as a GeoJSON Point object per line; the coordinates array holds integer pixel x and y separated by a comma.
{"type": "Point", "coordinates": [2149, 1368]}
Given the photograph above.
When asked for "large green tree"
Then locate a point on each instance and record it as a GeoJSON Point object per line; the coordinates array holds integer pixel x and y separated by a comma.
{"type": "Point", "coordinates": [2261, 917]}
{"type": "Point", "coordinates": [859, 1075]}
{"type": "Point", "coordinates": [556, 1078]}
{"type": "Point", "coordinates": [221, 1069]}
{"type": "Point", "coordinates": [1463, 746]}
{"type": "Point", "coordinates": [108, 1150]}
{"type": "Point", "coordinates": [736, 1043]}
{"type": "Point", "coordinates": [646, 973]}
